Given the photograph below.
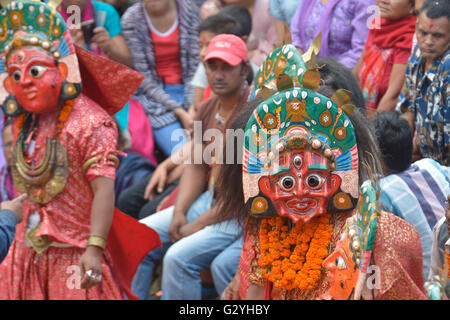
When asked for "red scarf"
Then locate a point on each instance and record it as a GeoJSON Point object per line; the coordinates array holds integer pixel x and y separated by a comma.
{"type": "Point", "coordinates": [395, 33]}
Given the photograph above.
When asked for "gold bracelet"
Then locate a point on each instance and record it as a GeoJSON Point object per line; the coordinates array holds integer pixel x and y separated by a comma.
{"type": "Point", "coordinates": [97, 241]}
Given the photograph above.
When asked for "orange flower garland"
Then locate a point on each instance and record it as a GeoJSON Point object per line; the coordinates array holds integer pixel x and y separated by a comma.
{"type": "Point", "coordinates": [20, 121]}
{"type": "Point", "coordinates": [62, 117]}
{"type": "Point", "coordinates": [293, 260]}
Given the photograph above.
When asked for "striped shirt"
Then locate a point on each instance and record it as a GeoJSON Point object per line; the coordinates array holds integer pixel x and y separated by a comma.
{"type": "Point", "coordinates": [418, 196]}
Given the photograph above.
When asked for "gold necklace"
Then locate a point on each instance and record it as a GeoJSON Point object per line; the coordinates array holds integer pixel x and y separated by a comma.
{"type": "Point", "coordinates": [43, 182]}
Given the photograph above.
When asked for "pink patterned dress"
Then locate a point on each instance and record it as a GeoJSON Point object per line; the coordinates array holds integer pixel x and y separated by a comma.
{"type": "Point", "coordinates": [24, 274]}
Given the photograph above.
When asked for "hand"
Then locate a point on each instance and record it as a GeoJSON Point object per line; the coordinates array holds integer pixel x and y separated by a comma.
{"type": "Point", "coordinates": [188, 229]}
{"type": "Point", "coordinates": [158, 181]}
{"type": "Point", "coordinates": [231, 292]}
{"type": "Point", "coordinates": [178, 221]}
{"type": "Point", "coordinates": [77, 37]}
{"type": "Point", "coordinates": [15, 206]}
{"type": "Point", "coordinates": [101, 40]}
{"type": "Point", "coordinates": [191, 111]}
{"type": "Point", "coordinates": [90, 264]}
{"type": "Point", "coordinates": [185, 118]}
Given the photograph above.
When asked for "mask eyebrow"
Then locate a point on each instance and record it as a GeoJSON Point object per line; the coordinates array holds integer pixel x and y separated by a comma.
{"type": "Point", "coordinates": [30, 59]}
{"type": "Point", "coordinates": [281, 169]}
{"type": "Point", "coordinates": [318, 166]}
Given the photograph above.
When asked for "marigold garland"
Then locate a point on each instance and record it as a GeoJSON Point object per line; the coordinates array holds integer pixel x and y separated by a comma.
{"type": "Point", "coordinates": [62, 117]}
{"type": "Point", "coordinates": [293, 259]}
{"type": "Point", "coordinates": [20, 122]}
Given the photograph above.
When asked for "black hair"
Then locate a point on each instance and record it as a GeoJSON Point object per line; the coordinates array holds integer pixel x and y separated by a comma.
{"type": "Point", "coordinates": [368, 151]}
{"type": "Point", "coordinates": [436, 9]}
{"type": "Point", "coordinates": [220, 24]}
{"type": "Point", "coordinates": [394, 139]}
{"type": "Point", "coordinates": [250, 75]}
{"type": "Point", "coordinates": [241, 15]}
{"type": "Point", "coordinates": [337, 76]}
{"type": "Point", "coordinates": [229, 189]}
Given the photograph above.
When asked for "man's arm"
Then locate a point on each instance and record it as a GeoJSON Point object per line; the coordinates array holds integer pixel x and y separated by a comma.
{"type": "Point", "coordinates": [192, 184]}
{"type": "Point", "coordinates": [396, 82]}
{"type": "Point", "coordinates": [207, 218]}
{"type": "Point", "coordinates": [10, 214]}
{"type": "Point", "coordinates": [8, 221]}
{"type": "Point", "coordinates": [118, 51]}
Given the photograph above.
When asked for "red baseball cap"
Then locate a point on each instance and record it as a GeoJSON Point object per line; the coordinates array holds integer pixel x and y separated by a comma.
{"type": "Point", "coordinates": [228, 48]}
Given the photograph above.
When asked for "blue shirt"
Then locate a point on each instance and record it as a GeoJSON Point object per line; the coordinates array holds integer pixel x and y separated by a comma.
{"type": "Point", "coordinates": [111, 19]}
{"type": "Point", "coordinates": [418, 196]}
{"type": "Point", "coordinates": [8, 221]}
{"type": "Point", "coordinates": [427, 95]}
{"type": "Point", "coordinates": [283, 10]}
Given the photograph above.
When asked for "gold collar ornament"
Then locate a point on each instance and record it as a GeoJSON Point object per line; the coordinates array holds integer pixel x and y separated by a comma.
{"type": "Point", "coordinates": [39, 244]}
{"type": "Point", "coordinates": [43, 182]}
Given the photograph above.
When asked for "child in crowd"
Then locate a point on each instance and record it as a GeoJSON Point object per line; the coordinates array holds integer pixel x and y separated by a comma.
{"type": "Point", "coordinates": [232, 19]}
{"type": "Point", "coordinates": [381, 68]}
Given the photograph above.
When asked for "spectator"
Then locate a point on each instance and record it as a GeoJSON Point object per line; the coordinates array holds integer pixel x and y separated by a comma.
{"type": "Point", "coordinates": [232, 19]}
{"type": "Point", "coordinates": [10, 215]}
{"type": "Point", "coordinates": [343, 24]}
{"type": "Point", "coordinates": [440, 255]}
{"type": "Point", "coordinates": [191, 239]}
{"type": "Point", "coordinates": [132, 166]}
{"type": "Point", "coordinates": [412, 191]}
{"type": "Point", "coordinates": [134, 201]}
{"type": "Point", "coordinates": [208, 29]}
{"type": "Point", "coordinates": [381, 68]}
{"type": "Point", "coordinates": [425, 99]}
{"type": "Point", "coordinates": [264, 35]}
{"type": "Point", "coordinates": [283, 11]}
{"type": "Point", "coordinates": [100, 29]}
{"type": "Point", "coordinates": [337, 76]}
{"type": "Point", "coordinates": [210, 8]}
{"type": "Point", "coordinates": [417, 6]}
{"type": "Point", "coordinates": [107, 40]}
{"type": "Point", "coordinates": [164, 47]}
{"type": "Point", "coordinates": [6, 182]}
{"type": "Point", "coordinates": [121, 5]}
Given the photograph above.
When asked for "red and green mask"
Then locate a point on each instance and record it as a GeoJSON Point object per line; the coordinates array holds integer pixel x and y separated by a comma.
{"type": "Point", "coordinates": [38, 65]}
{"type": "Point", "coordinates": [300, 152]}
{"type": "Point", "coordinates": [348, 264]}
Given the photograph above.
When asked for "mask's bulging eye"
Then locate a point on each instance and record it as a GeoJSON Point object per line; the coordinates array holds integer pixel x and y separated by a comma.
{"type": "Point", "coordinates": [16, 75]}
{"type": "Point", "coordinates": [298, 162]}
{"type": "Point", "coordinates": [37, 71]}
{"type": "Point", "coordinates": [287, 183]}
{"type": "Point", "coordinates": [315, 181]}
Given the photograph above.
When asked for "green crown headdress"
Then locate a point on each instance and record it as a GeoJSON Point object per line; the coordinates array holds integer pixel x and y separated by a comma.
{"type": "Point", "coordinates": [293, 116]}
{"type": "Point", "coordinates": [35, 24]}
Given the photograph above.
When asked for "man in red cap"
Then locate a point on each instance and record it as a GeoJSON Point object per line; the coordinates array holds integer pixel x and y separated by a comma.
{"type": "Point", "coordinates": [191, 238]}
